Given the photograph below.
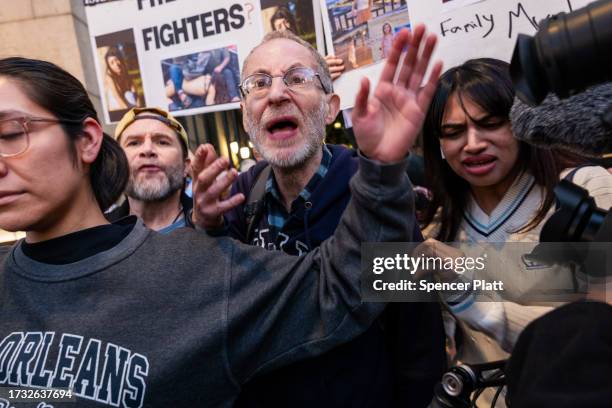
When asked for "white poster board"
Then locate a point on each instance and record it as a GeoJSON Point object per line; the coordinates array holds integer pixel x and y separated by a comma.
{"type": "Point", "coordinates": [486, 28]}
{"type": "Point", "coordinates": [183, 55]}
{"type": "Point", "coordinates": [466, 29]}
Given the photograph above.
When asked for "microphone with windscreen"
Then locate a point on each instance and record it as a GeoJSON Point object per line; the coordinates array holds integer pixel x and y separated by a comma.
{"type": "Point", "coordinates": [569, 53]}
{"type": "Point", "coordinates": [581, 123]}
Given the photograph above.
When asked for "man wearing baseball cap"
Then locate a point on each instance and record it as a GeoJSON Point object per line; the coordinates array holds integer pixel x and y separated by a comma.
{"type": "Point", "coordinates": [157, 149]}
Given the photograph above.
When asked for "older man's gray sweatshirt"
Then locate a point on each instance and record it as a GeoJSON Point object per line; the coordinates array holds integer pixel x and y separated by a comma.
{"type": "Point", "coordinates": [182, 320]}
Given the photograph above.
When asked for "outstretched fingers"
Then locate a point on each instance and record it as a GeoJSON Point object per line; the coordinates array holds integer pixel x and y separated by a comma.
{"type": "Point", "coordinates": [199, 157]}
{"type": "Point", "coordinates": [422, 63]}
{"type": "Point", "coordinates": [232, 202]}
{"type": "Point", "coordinates": [412, 53]}
{"type": "Point", "coordinates": [361, 100]}
{"type": "Point", "coordinates": [214, 201]}
{"type": "Point", "coordinates": [220, 185]}
{"type": "Point", "coordinates": [204, 156]}
{"type": "Point", "coordinates": [427, 92]}
{"type": "Point", "coordinates": [209, 174]}
{"type": "Point", "coordinates": [399, 43]}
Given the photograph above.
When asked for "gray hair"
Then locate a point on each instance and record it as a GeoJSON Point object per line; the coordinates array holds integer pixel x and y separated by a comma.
{"type": "Point", "coordinates": [322, 69]}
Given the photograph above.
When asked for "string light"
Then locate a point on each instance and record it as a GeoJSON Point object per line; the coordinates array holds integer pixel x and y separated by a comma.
{"type": "Point", "coordinates": [245, 153]}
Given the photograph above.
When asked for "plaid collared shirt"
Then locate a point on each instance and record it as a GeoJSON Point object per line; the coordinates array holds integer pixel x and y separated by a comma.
{"type": "Point", "coordinates": [277, 215]}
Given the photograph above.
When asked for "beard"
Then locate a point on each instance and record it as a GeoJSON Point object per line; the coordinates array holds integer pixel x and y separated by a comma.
{"type": "Point", "coordinates": [313, 128]}
{"type": "Point", "coordinates": [148, 190]}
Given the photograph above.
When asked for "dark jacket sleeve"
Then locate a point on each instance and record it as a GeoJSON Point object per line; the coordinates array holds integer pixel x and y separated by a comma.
{"type": "Point", "coordinates": [282, 309]}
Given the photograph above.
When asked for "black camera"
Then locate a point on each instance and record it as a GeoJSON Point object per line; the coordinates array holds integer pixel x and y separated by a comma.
{"type": "Point", "coordinates": [456, 390]}
{"type": "Point", "coordinates": [569, 53]}
{"type": "Point", "coordinates": [577, 220]}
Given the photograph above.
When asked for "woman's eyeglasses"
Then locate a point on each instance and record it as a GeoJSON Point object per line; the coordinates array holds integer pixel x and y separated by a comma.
{"type": "Point", "coordinates": [15, 133]}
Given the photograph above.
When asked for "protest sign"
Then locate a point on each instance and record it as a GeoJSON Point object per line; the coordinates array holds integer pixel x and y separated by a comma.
{"type": "Point", "coordinates": [487, 28]}
{"type": "Point", "coordinates": [183, 55]}
{"type": "Point", "coordinates": [466, 29]}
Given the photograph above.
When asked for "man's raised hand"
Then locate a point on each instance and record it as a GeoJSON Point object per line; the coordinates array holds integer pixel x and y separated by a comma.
{"type": "Point", "coordinates": [211, 178]}
{"type": "Point", "coordinates": [387, 124]}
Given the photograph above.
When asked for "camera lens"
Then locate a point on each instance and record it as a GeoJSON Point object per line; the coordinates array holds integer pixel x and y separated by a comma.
{"type": "Point", "coordinates": [452, 383]}
{"type": "Point", "coordinates": [527, 75]}
{"type": "Point", "coordinates": [577, 220]}
{"type": "Point", "coordinates": [569, 53]}
{"type": "Point", "coordinates": [575, 48]}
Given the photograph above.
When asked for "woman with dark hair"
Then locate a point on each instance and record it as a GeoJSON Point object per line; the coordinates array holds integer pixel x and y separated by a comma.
{"type": "Point", "coordinates": [474, 99]}
{"type": "Point", "coordinates": [47, 87]}
{"type": "Point", "coordinates": [121, 92]}
{"type": "Point", "coordinates": [489, 187]}
{"type": "Point", "coordinates": [124, 316]}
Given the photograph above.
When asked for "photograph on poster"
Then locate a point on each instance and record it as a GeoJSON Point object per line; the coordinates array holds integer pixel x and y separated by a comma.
{"type": "Point", "coordinates": [119, 66]}
{"type": "Point", "coordinates": [362, 30]}
{"type": "Point", "coordinates": [296, 16]}
{"type": "Point", "coordinates": [204, 78]}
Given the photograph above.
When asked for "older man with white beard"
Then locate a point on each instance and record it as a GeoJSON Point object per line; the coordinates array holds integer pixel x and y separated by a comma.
{"type": "Point", "coordinates": [295, 200]}
{"type": "Point", "coordinates": [156, 146]}
{"type": "Point", "coordinates": [305, 181]}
